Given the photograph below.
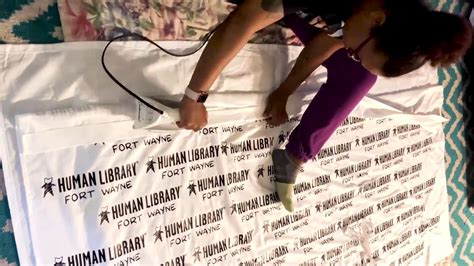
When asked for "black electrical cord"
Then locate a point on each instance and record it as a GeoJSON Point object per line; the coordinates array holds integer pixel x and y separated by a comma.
{"type": "Point", "coordinates": [141, 37]}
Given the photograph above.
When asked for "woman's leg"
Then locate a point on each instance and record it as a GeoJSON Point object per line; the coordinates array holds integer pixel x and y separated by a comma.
{"type": "Point", "coordinates": [288, 165]}
{"type": "Point", "coordinates": [331, 105]}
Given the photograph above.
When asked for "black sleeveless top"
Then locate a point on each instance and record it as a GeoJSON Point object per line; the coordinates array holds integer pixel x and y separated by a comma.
{"type": "Point", "coordinates": [329, 15]}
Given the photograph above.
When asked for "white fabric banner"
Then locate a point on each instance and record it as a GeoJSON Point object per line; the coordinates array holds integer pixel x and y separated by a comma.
{"type": "Point", "coordinates": [86, 188]}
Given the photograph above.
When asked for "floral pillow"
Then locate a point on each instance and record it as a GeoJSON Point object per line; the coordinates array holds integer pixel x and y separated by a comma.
{"type": "Point", "coordinates": [90, 20]}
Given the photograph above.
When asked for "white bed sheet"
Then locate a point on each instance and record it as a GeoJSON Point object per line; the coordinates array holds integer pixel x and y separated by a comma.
{"type": "Point", "coordinates": [62, 116]}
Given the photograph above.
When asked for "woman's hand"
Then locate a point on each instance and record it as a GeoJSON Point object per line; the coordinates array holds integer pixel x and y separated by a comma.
{"type": "Point", "coordinates": [276, 108]}
{"type": "Point", "coordinates": [193, 115]}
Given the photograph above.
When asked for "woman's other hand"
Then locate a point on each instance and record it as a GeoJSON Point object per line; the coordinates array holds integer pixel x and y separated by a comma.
{"type": "Point", "coordinates": [276, 108]}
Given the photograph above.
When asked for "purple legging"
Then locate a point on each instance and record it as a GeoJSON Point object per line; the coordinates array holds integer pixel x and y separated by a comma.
{"type": "Point", "coordinates": [335, 100]}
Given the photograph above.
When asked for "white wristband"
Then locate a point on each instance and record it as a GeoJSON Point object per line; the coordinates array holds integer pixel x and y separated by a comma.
{"type": "Point", "coordinates": [195, 96]}
{"type": "Point", "coordinates": [191, 94]}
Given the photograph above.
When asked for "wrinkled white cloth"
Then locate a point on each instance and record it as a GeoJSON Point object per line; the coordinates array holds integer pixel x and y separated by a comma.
{"type": "Point", "coordinates": [62, 116]}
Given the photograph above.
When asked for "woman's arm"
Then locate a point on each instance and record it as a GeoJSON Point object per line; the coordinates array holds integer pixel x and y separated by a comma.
{"type": "Point", "coordinates": [320, 48]}
{"type": "Point", "coordinates": [313, 55]}
{"type": "Point", "coordinates": [232, 35]}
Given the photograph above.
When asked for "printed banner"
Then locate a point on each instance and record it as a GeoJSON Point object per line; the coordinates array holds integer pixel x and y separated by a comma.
{"type": "Point", "coordinates": [85, 188]}
{"type": "Point", "coordinates": [375, 193]}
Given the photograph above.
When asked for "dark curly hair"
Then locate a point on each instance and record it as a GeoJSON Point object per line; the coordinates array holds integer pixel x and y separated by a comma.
{"type": "Point", "coordinates": [413, 35]}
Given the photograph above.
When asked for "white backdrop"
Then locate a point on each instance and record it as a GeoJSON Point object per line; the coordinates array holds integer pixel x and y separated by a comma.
{"type": "Point", "coordinates": [84, 187]}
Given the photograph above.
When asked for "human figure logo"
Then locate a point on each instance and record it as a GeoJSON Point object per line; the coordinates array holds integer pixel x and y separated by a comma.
{"type": "Point", "coordinates": [197, 254]}
{"type": "Point", "coordinates": [224, 148]}
{"type": "Point", "coordinates": [48, 186]}
{"type": "Point", "coordinates": [158, 234]}
{"type": "Point", "coordinates": [150, 165]}
{"type": "Point", "coordinates": [266, 225]}
{"type": "Point", "coordinates": [192, 187]}
{"type": "Point", "coordinates": [260, 171]}
{"type": "Point", "coordinates": [233, 208]}
{"type": "Point", "coordinates": [104, 215]}
{"type": "Point", "coordinates": [59, 262]}
{"type": "Point", "coordinates": [281, 137]}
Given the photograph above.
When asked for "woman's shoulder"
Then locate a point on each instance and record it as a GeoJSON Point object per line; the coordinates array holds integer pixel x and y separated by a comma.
{"type": "Point", "coordinates": [343, 70]}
